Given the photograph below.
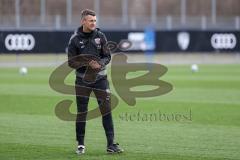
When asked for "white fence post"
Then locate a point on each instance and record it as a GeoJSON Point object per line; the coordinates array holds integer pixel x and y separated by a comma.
{"type": "Point", "coordinates": [169, 22]}
{"type": "Point", "coordinates": [214, 11]}
{"type": "Point", "coordinates": [58, 22]}
{"type": "Point", "coordinates": [237, 22]}
{"type": "Point", "coordinates": [17, 13]}
{"type": "Point", "coordinates": [203, 22]}
{"type": "Point", "coordinates": [43, 11]}
{"type": "Point", "coordinates": [69, 12]}
{"type": "Point", "coordinates": [153, 11]}
{"type": "Point", "coordinates": [97, 10]}
{"type": "Point", "coordinates": [124, 11]}
{"type": "Point", "coordinates": [183, 12]}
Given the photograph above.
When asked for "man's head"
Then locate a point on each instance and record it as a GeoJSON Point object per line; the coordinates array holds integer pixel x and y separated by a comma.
{"type": "Point", "coordinates": [88, 20]}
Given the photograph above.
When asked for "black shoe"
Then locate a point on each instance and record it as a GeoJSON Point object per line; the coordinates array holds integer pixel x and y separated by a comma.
{"type": "Point", "coordinates": [80, 149]}
{"type": "Point", "coordinates": [114, 148]}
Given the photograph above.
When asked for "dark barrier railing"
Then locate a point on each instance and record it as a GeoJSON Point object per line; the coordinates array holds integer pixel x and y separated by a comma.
{"type": "Point", "coordinates": [159, 41]}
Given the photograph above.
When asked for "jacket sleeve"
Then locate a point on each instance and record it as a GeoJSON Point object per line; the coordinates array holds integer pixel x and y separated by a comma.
{"type": "Point", "coordinates": [72, 54]}
{"type": "Point", "coordinates": [106, 52]}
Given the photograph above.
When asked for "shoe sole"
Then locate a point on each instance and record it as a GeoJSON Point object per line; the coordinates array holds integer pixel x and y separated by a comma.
{"type": "Point", "coordinates": [79, 153]}
{"type": "Point", "coordinates": [113, 152]}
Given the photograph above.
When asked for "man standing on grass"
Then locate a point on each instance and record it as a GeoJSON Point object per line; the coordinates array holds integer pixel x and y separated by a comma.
{"type": "Point", "coordinates": [91, 75]}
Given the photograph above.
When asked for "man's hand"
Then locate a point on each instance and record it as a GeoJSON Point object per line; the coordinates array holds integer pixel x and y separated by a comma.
{"type": "Point", "coordinates": [94, 65]}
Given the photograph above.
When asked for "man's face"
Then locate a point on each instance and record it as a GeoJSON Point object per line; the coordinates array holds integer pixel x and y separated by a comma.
{"type": "Point", "coordinates": [89, 22]}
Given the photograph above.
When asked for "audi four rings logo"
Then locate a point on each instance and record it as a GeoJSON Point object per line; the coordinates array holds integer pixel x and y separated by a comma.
{"type": "Point", "coordinates": [19, 42]}
{"type": "Point", "coordinates": [224, 41]}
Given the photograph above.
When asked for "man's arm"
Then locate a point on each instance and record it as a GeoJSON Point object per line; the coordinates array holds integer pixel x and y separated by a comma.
{"type": "Point", "coordinates": [106, 53]}
{"type": "Point", "coordinates": [72, 53]}
{"type": "Point", "coordinates": [75, 60]}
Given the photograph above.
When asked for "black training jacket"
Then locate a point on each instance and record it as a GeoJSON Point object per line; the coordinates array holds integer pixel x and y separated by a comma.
{"type": "Point", "coordinates": [92, 43]}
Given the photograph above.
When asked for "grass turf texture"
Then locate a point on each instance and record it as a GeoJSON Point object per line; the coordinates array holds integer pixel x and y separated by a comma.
{"type": "Point", "coordinates": [29, 128]}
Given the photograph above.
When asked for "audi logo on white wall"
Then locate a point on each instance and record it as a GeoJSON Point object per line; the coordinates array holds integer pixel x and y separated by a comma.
{"type": "Point", "coordinates": [19, 42]}
{"type": "Point", "coordinates": [223, 41]}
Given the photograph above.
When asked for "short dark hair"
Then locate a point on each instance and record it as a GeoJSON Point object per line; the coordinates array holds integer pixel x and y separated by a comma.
{"type": "Point", "coordinates": [87, 12]}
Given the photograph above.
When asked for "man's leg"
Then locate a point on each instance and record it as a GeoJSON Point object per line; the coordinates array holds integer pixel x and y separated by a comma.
{"type": "Point", "coordinates": [82, 98]}
{"type": "Point", "coordinates": [104, 102]}
{"type": "Point", "coordinates": [103, 97]}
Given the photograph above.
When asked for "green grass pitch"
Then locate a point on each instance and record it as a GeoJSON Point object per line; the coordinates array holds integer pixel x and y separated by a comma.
{"type": "Point", "coordinates": [202, 119]}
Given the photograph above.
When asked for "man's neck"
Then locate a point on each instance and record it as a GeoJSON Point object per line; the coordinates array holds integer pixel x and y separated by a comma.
{"type": "Point", "coordinates": [85, 30]}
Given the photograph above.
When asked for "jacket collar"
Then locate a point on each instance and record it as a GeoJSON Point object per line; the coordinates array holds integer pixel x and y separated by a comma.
{"type": "Point", "coordinates": [82, 34]}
